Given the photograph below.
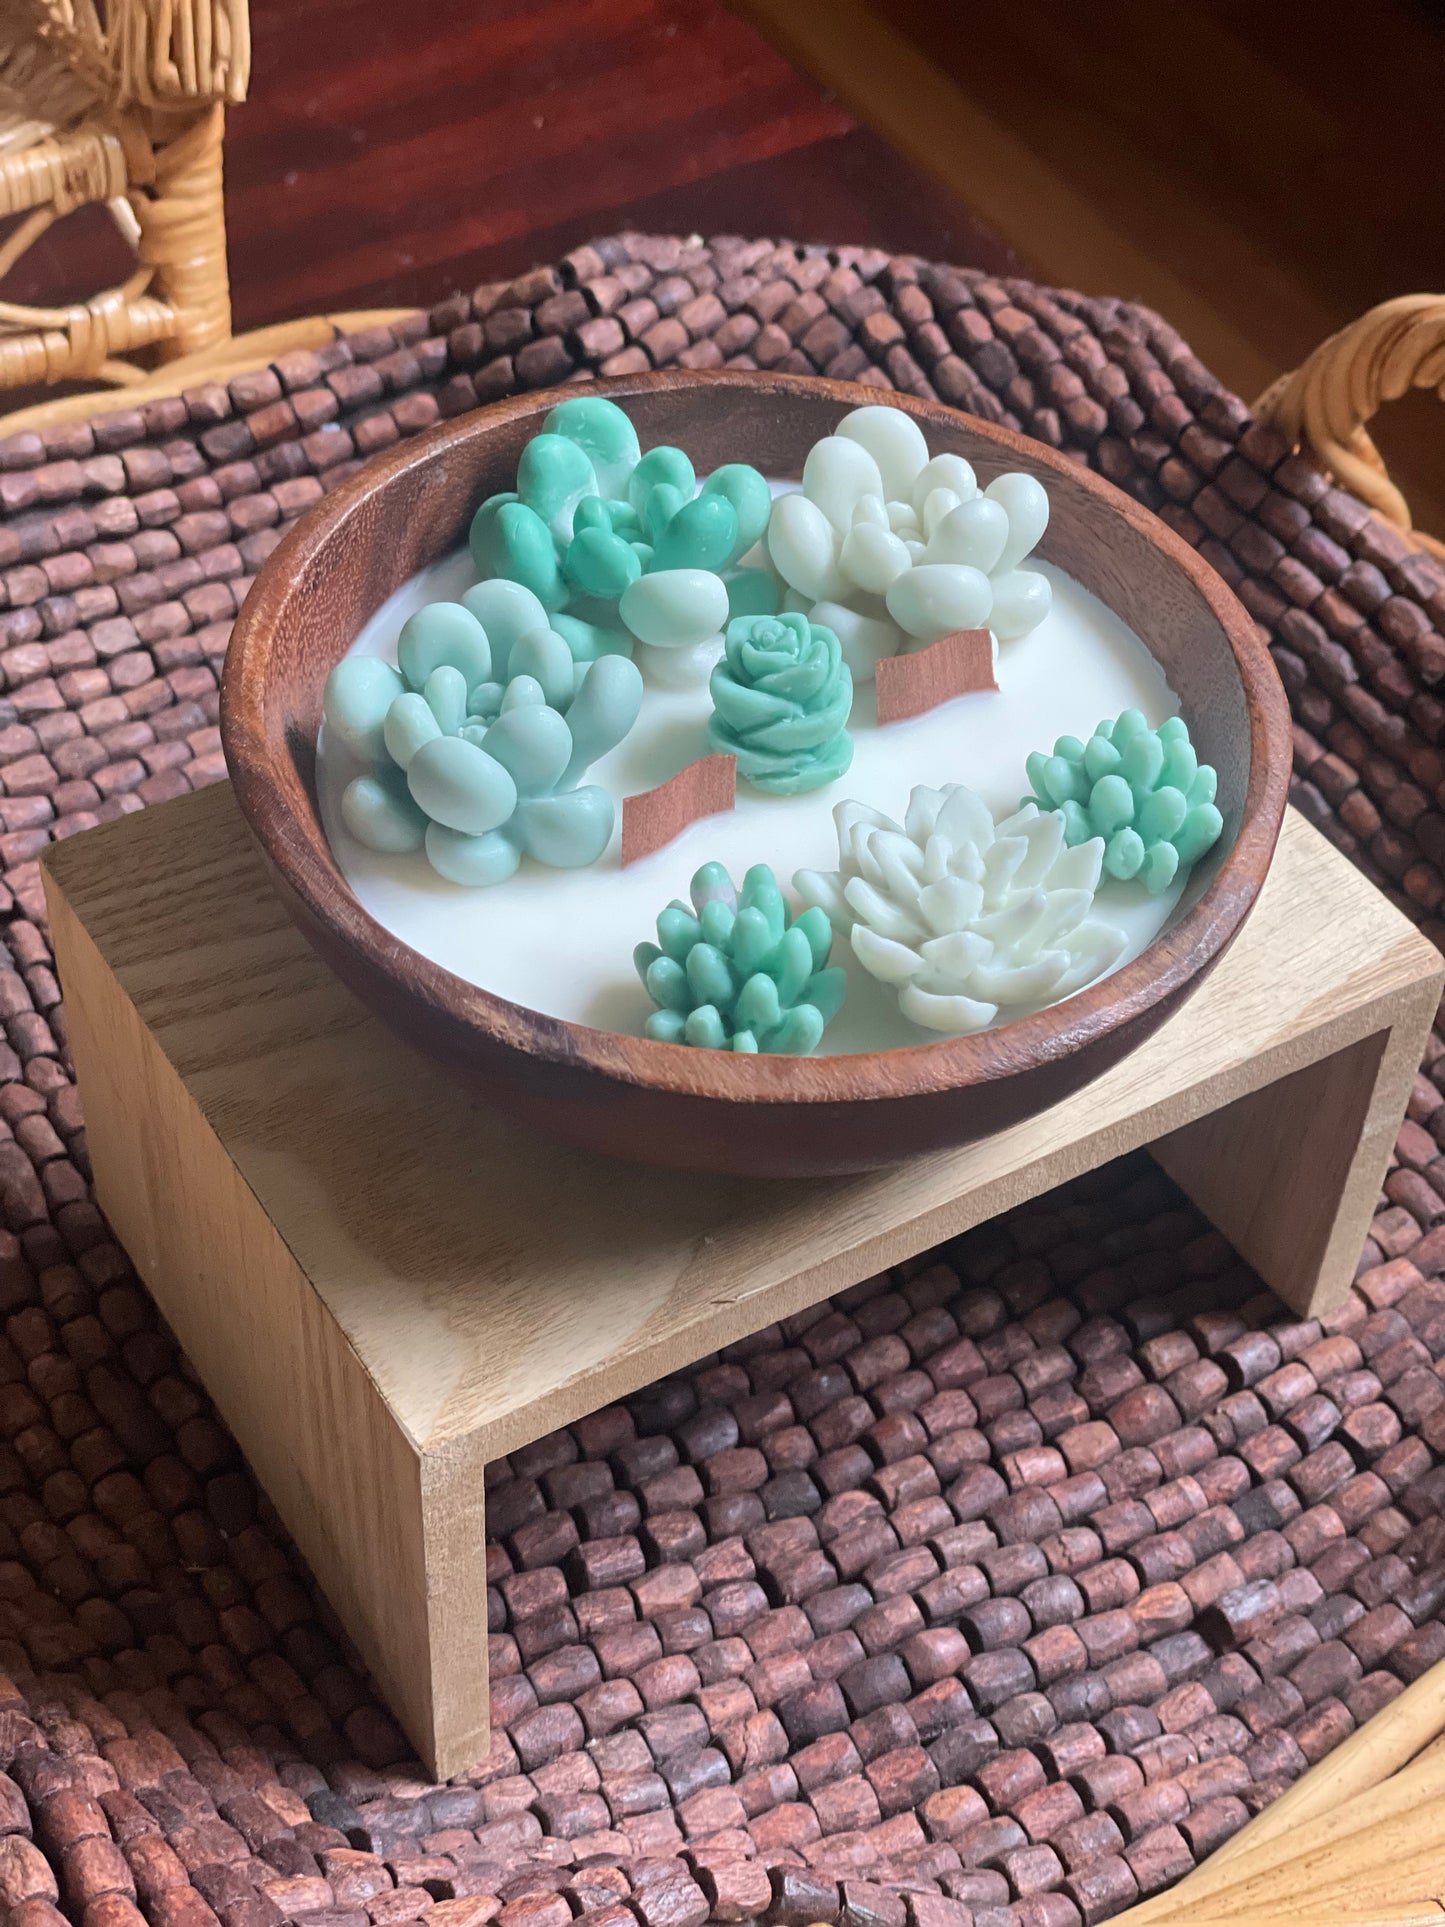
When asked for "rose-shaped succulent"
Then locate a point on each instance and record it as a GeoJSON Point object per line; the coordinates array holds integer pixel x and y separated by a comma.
{"type": "Point", "coordinates": [893, 550]}
{"type": "Point", "coordinates": [740, 973]}
{"type": "Point", "coordinates": [621, 547]}
{"type": "Point", "coordinates": [961, 915]}
{"type": "Point", "coordinates": [1144, 791]}
{"type": "Point", "coordinates": [475, 752]}
{"type": "Point", "coordinates": [782, 695]}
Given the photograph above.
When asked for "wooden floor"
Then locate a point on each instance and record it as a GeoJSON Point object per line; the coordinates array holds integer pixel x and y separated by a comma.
{"type": "Point", "coordinates": [390, 155]}
{"type": "Point", "coordinates": [1261, 174]}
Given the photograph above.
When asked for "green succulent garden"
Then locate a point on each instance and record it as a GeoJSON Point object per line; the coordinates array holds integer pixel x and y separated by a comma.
{"type": "Point", "coordinates": [738, 971]}
{"type": "Point", "coordinates": [607, 561]}
{"type": "Point", "coordinates": [1143, 790]}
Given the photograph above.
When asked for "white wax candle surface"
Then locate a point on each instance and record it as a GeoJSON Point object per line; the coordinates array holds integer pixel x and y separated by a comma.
{"type": "Point", "coordinates": [561, 941]}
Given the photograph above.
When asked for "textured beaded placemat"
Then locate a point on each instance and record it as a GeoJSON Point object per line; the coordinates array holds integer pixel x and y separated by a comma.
{"type": "Point", "coordinates": [998, 1591]}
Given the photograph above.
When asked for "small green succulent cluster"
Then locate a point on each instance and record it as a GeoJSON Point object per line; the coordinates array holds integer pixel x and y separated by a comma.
{"type": "Point", "coordinates": [611, 540]}
{"type": "Point", "coordinates": [1143, 790]}
{"type": "Point", "coordinates": [739, 972]}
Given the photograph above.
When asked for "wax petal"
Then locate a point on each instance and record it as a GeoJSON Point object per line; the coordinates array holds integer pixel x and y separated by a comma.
{"type": "Point", "coordinates": [444, 632]}
{"type": "Point", "coordinates": [569, 831]}
{"type": "Point", "coordinates": [751, 499]}
{"type": "Point", "coordinates": [475, 861]}
{"type": "Point", "coordinates": [703, 534]}
{"type": "Point", "coordinates": [553, 475]}
{"type": "Point", "coordinates": [1026, 503]}
{"type": "Point", "coordinates": [461, 786]}
{"type": "Point", "coordinates": [837, 472]}
{"type": "Point", "coordinates": [675, 608]}
{"type": "Point", "coordinates": [359, 692]}
{"type": "Point", "coordinates": [803, 546]}
{"type": "Point", "coordinates": [506, 610]}
{"type": "Point", "coordinates": [605, 435]}
{"type": "Point", "coordinates": [379, 812]}
{"type": "Point", "coordinates": [935, 598]}
{"type": "Point", "coordinates": [1021, 600]}
{"type": "Point", "coordinates": [973, 535]}
{"type": "Point", "coordinates": [894, 440]}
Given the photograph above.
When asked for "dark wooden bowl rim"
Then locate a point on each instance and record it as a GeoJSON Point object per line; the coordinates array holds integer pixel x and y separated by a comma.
{"type": "Point", "coordinates": [301, 856]}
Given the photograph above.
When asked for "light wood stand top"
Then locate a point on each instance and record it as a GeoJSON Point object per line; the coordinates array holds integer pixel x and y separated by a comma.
{"type": "Point", "coordinates": [384, 1285]}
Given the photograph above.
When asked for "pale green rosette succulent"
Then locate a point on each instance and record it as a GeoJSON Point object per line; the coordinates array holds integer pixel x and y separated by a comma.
{"type": "Point", "coordinates": [474, 747]}
{"type": "Point", "coordinates": [739, 972]}
{"type": "Point", "coordinates": [622, 547]}
{"type": "Point", "coordinates": [782, 695]}
{"type": "Point", "coordinates": [1143, 790]}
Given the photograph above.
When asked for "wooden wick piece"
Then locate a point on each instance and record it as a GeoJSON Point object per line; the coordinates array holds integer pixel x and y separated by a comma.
{"type": "Point", "coordinates": [653, 818]}
{"type": "Point", "coordinates": [958, 664]}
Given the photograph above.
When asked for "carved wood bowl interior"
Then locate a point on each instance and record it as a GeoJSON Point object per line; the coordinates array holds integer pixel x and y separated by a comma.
{"type": "Point", "coordinates": [704, 1109]}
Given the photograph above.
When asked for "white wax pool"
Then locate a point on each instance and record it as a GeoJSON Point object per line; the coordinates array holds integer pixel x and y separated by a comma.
{"type": "Point", "coordinates": [561, 941]}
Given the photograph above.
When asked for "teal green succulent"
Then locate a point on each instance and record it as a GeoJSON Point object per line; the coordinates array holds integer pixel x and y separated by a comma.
{"type": "Point", "coordinates": [474, 747]}
{"type": "Point", "coordinates": [617, 542]}
{"type": "Point", "coordinates": [1143, 790]}
{"type": "Point", "coordinates": [782, 695]}
{"type": "Point", "coordinates": [740, 973]}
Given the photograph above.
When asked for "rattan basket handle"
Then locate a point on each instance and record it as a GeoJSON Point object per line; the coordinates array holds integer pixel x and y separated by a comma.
{"type": "Point", "coordinates": [1324, 405]}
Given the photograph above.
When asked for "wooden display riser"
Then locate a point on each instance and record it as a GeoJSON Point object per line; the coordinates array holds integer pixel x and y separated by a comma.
{"type": "Point", "coordinates": [384, 1286]}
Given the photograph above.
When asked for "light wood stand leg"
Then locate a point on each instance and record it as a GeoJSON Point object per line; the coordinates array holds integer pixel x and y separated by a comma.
{"type": "Point", "coordinates": [393, 1532]}
{"type": "Point", "coordinates": [1291, 1173]}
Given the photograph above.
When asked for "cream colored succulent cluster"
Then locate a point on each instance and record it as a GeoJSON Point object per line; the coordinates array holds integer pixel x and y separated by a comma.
{"type": "Point", "coordinates": [892, 549]}
{"type": "Point", "coordinates": [960, 915]}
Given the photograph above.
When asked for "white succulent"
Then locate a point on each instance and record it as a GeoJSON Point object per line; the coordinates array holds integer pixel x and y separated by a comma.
{"type": "Point", "coordinates": [892, 549]}
{"type": "Point", "coordinates": [960, 914]}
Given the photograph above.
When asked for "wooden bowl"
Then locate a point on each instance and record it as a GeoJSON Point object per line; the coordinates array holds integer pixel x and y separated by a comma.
{"type": "Point", "coordinates": [702, 1109]}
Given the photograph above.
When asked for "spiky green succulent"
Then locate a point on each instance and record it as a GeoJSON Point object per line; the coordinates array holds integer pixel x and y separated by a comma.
{"type": "Point", "coordinates": [1143, 790]}
{"type": "Point", "coordinates": [738, 971]}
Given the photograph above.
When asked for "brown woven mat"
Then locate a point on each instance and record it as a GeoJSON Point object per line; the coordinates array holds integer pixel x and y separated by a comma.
{"type": "Point", "coordinates": [923, 1607]}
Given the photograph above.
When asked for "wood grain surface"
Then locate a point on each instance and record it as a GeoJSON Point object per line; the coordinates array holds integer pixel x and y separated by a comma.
{"type": "Point", "coordinates": [395, 1536]}
{"type": "Point", "coordinates": [920, 679]}
{"type": "Point", "coordinates": [389, 156]}
{"type": "Point", "coordinates": [364, 1511]}
{"type": "Point", "coordinates": [331, 1120]}
{"type": "Point", "coordinates": [386, 1284]}
{"type": "Point", "coordinates": [1260, 175]}
{"type": "Point", "coordinates": [711, 1110]}
{"type": "Point", "coordinates": [654, 818]}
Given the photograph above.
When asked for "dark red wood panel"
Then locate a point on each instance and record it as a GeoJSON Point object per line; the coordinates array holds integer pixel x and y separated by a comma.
{"type": "Point", "coordinates": [389, 154]}
{"type": "Point", "coordinates": [386, 150]}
